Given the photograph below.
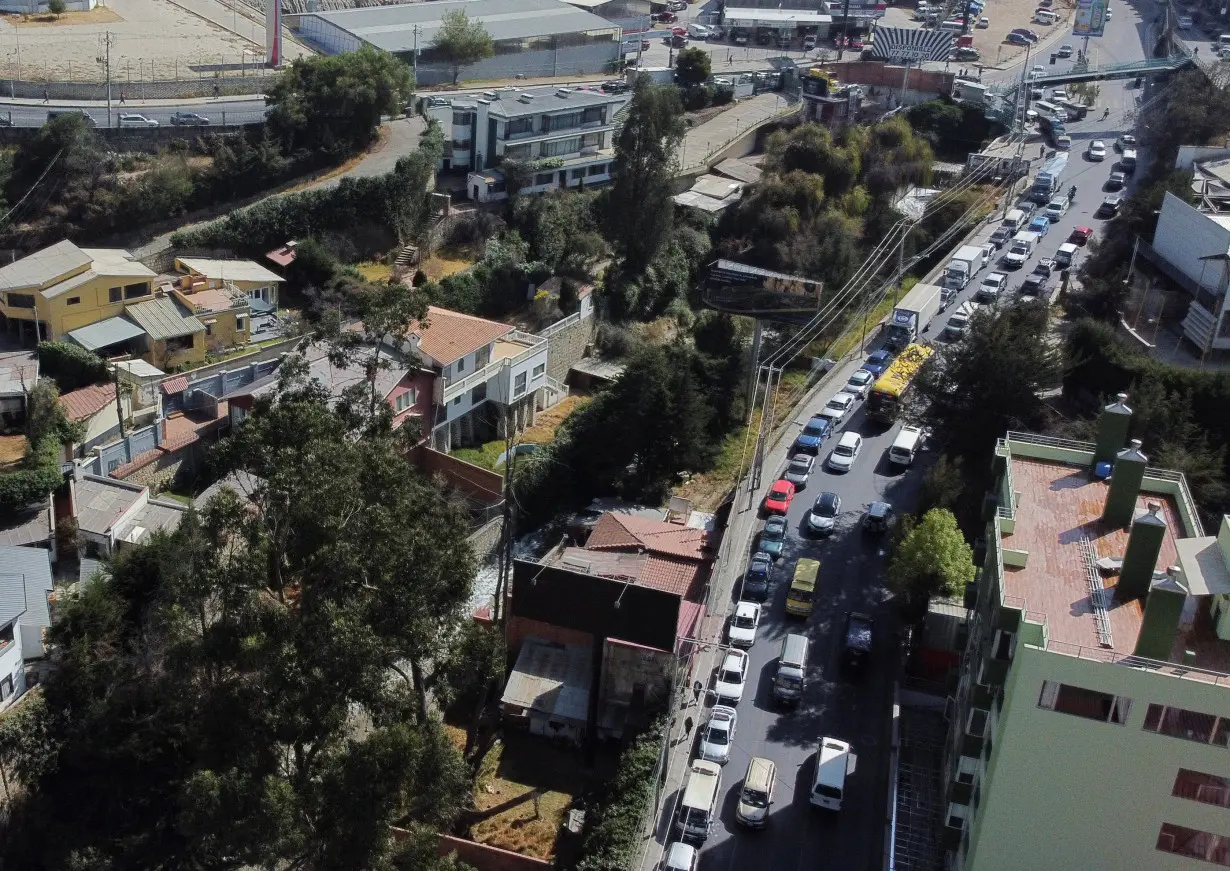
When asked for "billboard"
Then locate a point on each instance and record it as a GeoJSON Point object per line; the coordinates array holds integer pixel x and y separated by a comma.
{"type": "Point", "coordinates": [910, 45]}
{"type": "Point", "coordinates": [737, 288]}
{"type": "Point", "coordinates": [1090, 18]}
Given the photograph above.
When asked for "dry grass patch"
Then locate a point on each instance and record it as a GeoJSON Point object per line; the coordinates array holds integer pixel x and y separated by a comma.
{"type": "Point", "coordinates": [97, 15]}
{"type": "Point", "coordinates": [449, 260]}
{"type": "Point", "coordinates": [13, 449]}
{"type": "Point", "coordinates": [376, 272]}
{"type": "Point", "coordinates": [548, 421]}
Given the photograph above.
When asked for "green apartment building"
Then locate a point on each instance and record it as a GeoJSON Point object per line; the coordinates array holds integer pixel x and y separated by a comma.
{"type": "Point", "coordinates": [1091, 726]}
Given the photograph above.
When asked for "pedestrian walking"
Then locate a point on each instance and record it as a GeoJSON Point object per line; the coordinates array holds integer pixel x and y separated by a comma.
{"type": "Point", "coordinates": [217, 91]}
{"type": "Point", "coordinates": [687, 728]}
{"type": "Point", "coordinates": [46, 96]}
{"type": "Point", "coordinates": [1106, 113]}
{"type": "Point", "coordinates": [730, 57]}
{"type": "Point", "coordinates": [121, 98]}
{"type": "Point", "coordinates": [697, 689]}
{"type": "Point", "coordinates": [1041, 151]}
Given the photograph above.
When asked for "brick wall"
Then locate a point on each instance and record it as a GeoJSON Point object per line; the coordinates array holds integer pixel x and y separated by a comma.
{"type": "Point", "coordinates": [566, 346]}
{"type": "Point", "coordinates": [880, 74]}
{"type": "Point", "coordinates": [521, 628]}
{"type": "Point", "coordinates": [486, 540]}
{"type": "Point", "coordinates": [479, 484]}
{"type": "Point", "coordinates": [485, 858]}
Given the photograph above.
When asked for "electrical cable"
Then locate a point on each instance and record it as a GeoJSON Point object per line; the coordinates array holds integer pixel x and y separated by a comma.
{"type": "Point", "coordinates": [33, 187]}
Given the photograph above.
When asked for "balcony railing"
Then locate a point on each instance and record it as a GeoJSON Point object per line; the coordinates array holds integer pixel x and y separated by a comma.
{"type": "Point", "coordinates": [491, 370]}
{"type": "Point", "coordinates": [554, 132]}
{"type": "Point", "coordinates": [1203, 675]}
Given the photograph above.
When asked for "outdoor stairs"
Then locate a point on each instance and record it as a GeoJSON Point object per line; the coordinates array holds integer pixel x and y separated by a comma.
{"type": "Point", "coordinates": [407, 257]}
{"type": "Point", "coordinates": [619, 118]}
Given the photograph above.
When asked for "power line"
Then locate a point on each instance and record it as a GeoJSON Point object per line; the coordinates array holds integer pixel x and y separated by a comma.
{"type": "Point", "coordinates": [50, 164]}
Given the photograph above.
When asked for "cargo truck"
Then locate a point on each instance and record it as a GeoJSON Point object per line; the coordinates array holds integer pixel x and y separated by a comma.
{"type": "Point", "coordinates": [961, 268]}
{"type": "Point", "coordinates": [911, 316]}
{"type": "Point", "coordinates": [1048, 180]}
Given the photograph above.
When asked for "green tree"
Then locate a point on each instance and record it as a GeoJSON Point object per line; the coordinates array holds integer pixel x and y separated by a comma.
{"type": "Point", "coordinates": [638, 211]}
{"type": "Point", "coordinates": [694, 66]}
{"type": "Point", "coordinates": [975, 390]}
{"type": "Point", "coordinates": [932, 558]}
{"type": "Point", "coordinates": [944, 485]}
{"type": "Point", "coordinates": [57, 7]}
{"type": "Point", "coordinates": [461, 41]}
{"type": "Point", "coordinates": [332, 104]}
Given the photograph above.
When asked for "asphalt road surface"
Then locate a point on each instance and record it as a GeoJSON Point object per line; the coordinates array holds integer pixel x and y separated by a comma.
{"type": "Point", "coordinates": [27, 114]}
{"type": "Point", "coordinates": [837, 704]}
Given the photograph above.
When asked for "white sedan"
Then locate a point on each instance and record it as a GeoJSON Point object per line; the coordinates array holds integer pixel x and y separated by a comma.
{"type": "Point", "coordinates": [838, 407]}
{"type": "Point", "coordinates": [846, 452]}
{"type": "Point", "coordinates": [731, 677]}
{"type": "Point", "coordinates": [719, 734]}
{"type": "Point", "coordinates": [860, 383]}
{"type": "Point", "coordinates": [1097, 150]}
{"type": "Point", "coordinates": [743, 624]}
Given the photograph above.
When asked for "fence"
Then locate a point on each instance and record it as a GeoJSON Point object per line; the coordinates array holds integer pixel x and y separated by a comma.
{"type": "Point", "coordinates": [220, 83]}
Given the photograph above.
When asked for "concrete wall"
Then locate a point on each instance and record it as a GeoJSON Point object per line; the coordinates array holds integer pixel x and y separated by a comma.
{"type": "Point", "coordinates": [230, 86]}
{"type": "Point", "coordinates": [484, 858]}
{"type": "Point", "coordinates": [166, 467]}
{"type": "Point", "coordinates": [566, 342]}
{"type": "Point", "coordinates": [485, 540]}
{"type": "Point", "coordinates": [521, 628]}
{"type": "Point", "coordinates": [880, 74]}
{"type": "Point", "coordinates": [121, 452]}
{"type": "Point", "coordinates": [1184, 235]}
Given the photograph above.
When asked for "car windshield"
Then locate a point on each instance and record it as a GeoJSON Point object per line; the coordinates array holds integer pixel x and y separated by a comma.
{"type": "Point", "coordinates": [745, 621]}
{"type": "Point", "coordinates": [826, 507]}
{"type": "Point", "coordinates": [844, 451]}
{"type": "Point", "coordinates": [755, 798]}
{"type": "Point", "coordinates": [778, 492]}
{"type": "Point", "coordinates": [862, 376]}
{"type": "Point", "coordinates": [799, 467]}
{"type": "Point", "coordinates": [730, 675]}
{"type": "Point", "coordinates": [815, 430]}
{"type": "Point", "coordinates": [774, 531]}
{"type": "Point", "coordinates": [834, 405]}
{"type": "Point", "coordinates": [718, 734]}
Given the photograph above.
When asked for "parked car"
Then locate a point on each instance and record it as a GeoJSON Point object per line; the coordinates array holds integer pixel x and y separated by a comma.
{"type": "Point", "coordinates": [664, 17]}
{"type": "Point", "coordinates": [1035, 284]}
{"type": "Point", "coordinates": [823, 515]}
{"type": "Point", "coordinates": [1001, 236]}
{"type": "Point", "coordinates": [846, 451]}
{"type": "Point", "coordinates": [758, 576]}
{"type": "Point", "coordinates": [879, 517]}
{"type": "Point", "coordinates": [859, 384]}
{"type": "Point", "coordinates": [1064, 51]}
{"type": "Point", "coordinates": [838, 407]}
{"type": "Point", "coordinates": [1080, 235]}
{"type": "Point", "coordinates": [731, 677]}
{"type": "Point", "coordinates": [1040, 225]}
{"type": "Point", "coordinates": [719, 734]}
{"type": "Point", "coordinates": [1116, 181]}
{"type": "Point", "coordinates": [134, 120]}
{"type": "Point", "coordinates": [966, 54]}
{"type": "Point", "coordinates": [773, 536]}
{"type": "Point", "coordinates": [1097, 150]}
{"type": "Point", "coordinates": [877, 362]}
{"type": "Point", "coordinates": [1031, 35]}
{"type": "Point", "coordinates": [680, 857]}
{"type": "Point", "coordinates": [983, 23]}
{"type": "Point", "coordinates": [816, 431]}
{"type": "Point", "coordinates": [856, 651]}
{"type": "Point", "coordinates": [799, 469]}
{"type": "Point", "coordinates": [779, 497]}
{"type": "Point", "coordinates": [1110, 206]}
{"type": "Point", "coordinates": [1127, 140]}
{"type": "Point", "coordinates": [809, 42]}
{"type": "Point", "coordinates": [1056, 208]}
{"type": "Point", "coordinates": [743, 624]}
{"type": "Point", "coordinates": [188, 119]}
{"type": "Point", "coordinates": [992, 286]}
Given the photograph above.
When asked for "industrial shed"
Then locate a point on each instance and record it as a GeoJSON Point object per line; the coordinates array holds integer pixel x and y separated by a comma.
{"type": "Point", "coordinates": [533, 38]}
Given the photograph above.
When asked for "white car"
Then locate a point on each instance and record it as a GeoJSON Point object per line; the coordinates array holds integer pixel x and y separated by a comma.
{"type": "Point", "coordinates": [842, 457]}
{"type": "Point", "coordinates": [1059, 94]}
{"type": "Point", "coordinates": [1097, 150]}
{"type": "Point", "coordinates": [1035, 72]}
{"type": "Point", "coordinates": [743, 624]}
{"type": "Point", "coordinates": [838, 407]}
{"type": "Point", "coordinates": [992, 286]}
{"type": "Point", "coordinates": [719, 734]}
{"type": "Point", "coordinates": [731, 677]}
{"type": "Point", "coordinates": [859, 384]}
{"type": "Point", "coordinates": [1055, 208]}
{"type": "Point", "coordinates": [136, 121]}
{"type": "Point", "coordinates": [680, 857]}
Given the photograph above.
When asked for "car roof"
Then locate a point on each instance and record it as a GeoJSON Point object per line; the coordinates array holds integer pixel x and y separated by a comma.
{"type": "Point", "coordinates": [781, 484]}
{"type": "Point", "coordinates": [879, 509]}
{"type": "Point", "coordinates": [878, 355]}
{"type": "Point", "coordinates": [849, 438]}
{"type": "Point", "coordinates": [775, 521]}
{"type": "Point", "coordinates": [819, 420]}
{"type": "Point", "coordinates": [746, 608]}
{"type": "Point", "coordinates": [680, 855]}
{"type": "Point", "coordinates": [734, 654]}
{"type": "Point", "coordinates": [827, 498]}
{"type": "Point", "coordinates": [761, 556]}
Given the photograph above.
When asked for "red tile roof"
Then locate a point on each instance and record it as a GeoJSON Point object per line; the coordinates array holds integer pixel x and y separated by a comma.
{"type": "Point", "coordinates": [88, 401]}
{"type": "Point", "coordinates": [448, 335]}
{"type": "Point", "coordinates": [683, 577]}
{"type": "Point", "coordinates": [178, 384]}
{"type": "Point", "coordinates": [622, 531]}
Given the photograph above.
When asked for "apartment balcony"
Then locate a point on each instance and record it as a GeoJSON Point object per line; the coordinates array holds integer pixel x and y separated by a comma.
{"type": "Point", "coordinates": [558, 132]}
{"type": "Point", "coordinates": [514, 354]}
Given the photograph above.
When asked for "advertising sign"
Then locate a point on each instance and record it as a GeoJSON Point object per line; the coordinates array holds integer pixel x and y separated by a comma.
{"type": "Point", "coordinates": [910, 45]}
{"type": "Point", "coordinates": [1090, 18]}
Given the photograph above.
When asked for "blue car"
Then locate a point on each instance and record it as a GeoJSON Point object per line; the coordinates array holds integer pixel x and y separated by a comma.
{"type": "Point", "coordinates": [878, 362]}
{"type": "Point", "coordinates": [817, 430]}
{"type": "Point", "coordinates": [1040, 225]}
{"type": "Point", "coordinates": [756, 579]}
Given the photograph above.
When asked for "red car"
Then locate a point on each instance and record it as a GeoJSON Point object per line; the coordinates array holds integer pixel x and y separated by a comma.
{"type": "Point", "coordinates": [779, 498]}
{"type": "Point", "coordinates": [1080, 235]}
{"type": "Point", "coordinates": [679, 31]}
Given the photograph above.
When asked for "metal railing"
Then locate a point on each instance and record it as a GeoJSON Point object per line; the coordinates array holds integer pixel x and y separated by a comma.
{"type": "Point", "coordinates": [1112, 657]}
{"type": "Point", "coordinates": [547, 332]}
{"type": "Point", "coordinates": [1049, 441]}
{"type": "Point", "coordinates": [1184, 495]}
{"type": "Point", "coordinates": [491, 370]}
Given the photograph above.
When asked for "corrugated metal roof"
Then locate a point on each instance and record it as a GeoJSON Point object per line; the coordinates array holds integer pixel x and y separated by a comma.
{"type": "Point", "coordinates": [18, 372]}
{"type": "Point", "coordinates": [43, 267]}
{"type": "Point", "coordinates": [101, 502]}
{"type": "Point", "coordinates": [163, 318]}
{"type": "Point", "coordinates": [229, 270]}
{"type": "Point", "coordinates": [105, 263]}
{"type": "Point", "coordinates": [140, 369]}
{"type": "Point", "coordinates": [392, 27]}
{"type": "Point", "coordinates": [31, 568]}
{"type": "Point", "coordinates": [28, 525]}
{"type": "Point", "coordinates": [552, 679]}
{"type": "Point", "coordinates": [103, 334]}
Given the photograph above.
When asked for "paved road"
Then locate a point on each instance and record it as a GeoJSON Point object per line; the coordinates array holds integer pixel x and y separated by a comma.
{"type": "Point", "coordinates": [32, 113]}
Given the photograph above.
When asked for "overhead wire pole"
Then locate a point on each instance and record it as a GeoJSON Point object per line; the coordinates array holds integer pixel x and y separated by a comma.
{"type": "Point", "coordinates": [104, 58]}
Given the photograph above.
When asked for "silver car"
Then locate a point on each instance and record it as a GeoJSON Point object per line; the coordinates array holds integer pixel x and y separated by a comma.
{"type": "Point", "coordinates": [799, 470]}
{"type": "Point", "coordinates": [719, 734]}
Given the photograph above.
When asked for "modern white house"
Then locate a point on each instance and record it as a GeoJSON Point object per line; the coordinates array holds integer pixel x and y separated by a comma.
{"type": "Point", "coordinates": [1091, 724]}
{"type": "Point", "coordinates": [564, 136]}
{"type": "Point", "coordinates": [489, 376]}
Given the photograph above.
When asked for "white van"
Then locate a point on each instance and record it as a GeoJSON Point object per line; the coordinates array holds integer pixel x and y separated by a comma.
{"type": "Point", "coordinates": [698, 809]}
{"type": "Point", "coordinates": [699, 31]}
{"type": "Point", "coordinates": [952, 26]}
{"type": "Point", "coordinates": [1066, 254]}
{"type": "Point", "coordinates": [905, 446]}
{"type": "Point", "coordinates": [1015, 219]}
{"type": "Point", "coordinates": [1223, 41]}
{"type": "Point", "coordinates": [834, 761]}
{"type": "Point", "coordinates": [757, 793]}
{"type": "Point", "coordinates": [1045, 17]}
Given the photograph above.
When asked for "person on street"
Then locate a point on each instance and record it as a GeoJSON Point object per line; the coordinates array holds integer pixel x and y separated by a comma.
{"type": "Point", "coordinates": [687, 728]}
{"type": "Point", "coordinates": [121, 98]}
{"type": "Point", "coordinates": [46, 96]}
{"type": "Point", "coordinates": [1106, 113]}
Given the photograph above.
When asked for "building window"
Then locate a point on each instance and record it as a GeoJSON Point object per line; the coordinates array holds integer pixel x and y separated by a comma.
{"type": "Point", "coordinates": [518, 152]}
{"type": "Point", "coordinates": [461, 119]}
{"type": "Point", "coordinates": [539, 370]}
{"type": "Point", "coordinates": [967, 768]}
{"type": "Point", "coordinates": [560, 147]}
{"type": "Point", "coordinates": [241, 323]}
{"type": "Point", "coordinates": [21, 300]}
{"type": "Point", "coordinates": [457, 399]}
{"type": "Point", "coordinates": [478, 394]}
{"type": "Point", "coordinates": [115, 294]}
{"type": "Point", "coordinates": [565, 121]}
{"type": "Point", "coordinates": [598, 169]}
{"type": "Point", "coordinates": [1080, 702]}
{"type": "Point", "coordinates": [1205, 788]}
{"type": "Point", "coordinates": [957, 814]}
{"type": "Point", "coordinates": [209, 328]}
{"type": "Point", "coordinates": [1003, 645]}
{"type": "Point", "coordinates": [543, 178]}
{"type": "Point", "coordinates": [460, 365]}
{"type": "Point", "coordinates": [976, 724]}
{"type": "Point", "coordinates": [132, 291]}
{"type": "Point", "coordinates": [404, 401]}
{"type": "Point", "coordinates": [179, 343]}
{"type": "Point", "coordinates": [519, 384]}
{"type": "Point", "coordinates": [517, 126]}
{"type": "Point", "coordinates": [591, 139]}
{"type": "Point", "coordinates": [74, 300]}
{"type": "Point", "coordinates": [578, 174]}
{"type": "Point", "coordinates": [6, 689]}
{"type": "Point", "coordinates": [1190, 725]}
{"type": "Point", "coordinates": [1182, 841]}
{"type": "Point", "coordinates": [592, 114]}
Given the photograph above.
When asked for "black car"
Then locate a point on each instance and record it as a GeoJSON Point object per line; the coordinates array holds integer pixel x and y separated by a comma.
{"type": "Point", "coordinates": [860, 628]}
{"type": "Point", "coordinates": [615, 86]}
{"type": "Point", "coordinates": [1110, 206]}
{"type": "Point", "coordinates": [1035, 284]}
{"type": "Point", "coordinates": [758, 576]}
{"type": "Point", "coordinates": [879, 517]}
{"type": "Point", "coordinates": [189, 119]}
{"type": "Point", "coordinates": [1116, 181]}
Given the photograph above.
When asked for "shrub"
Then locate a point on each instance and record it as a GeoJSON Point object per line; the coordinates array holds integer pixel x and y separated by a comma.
{"type": "Point", "coordinates": [613, 833]}
{"type": "Point", "coordinates": [70, 366]}
{"type": "Point", "coordinates": [40, 475]}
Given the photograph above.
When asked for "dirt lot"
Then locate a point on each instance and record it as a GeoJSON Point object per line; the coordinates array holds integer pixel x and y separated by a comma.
{"type": "Point", "coordinates": [13, 449]}
{"type": "Point", "coordinates": [1004, 15]}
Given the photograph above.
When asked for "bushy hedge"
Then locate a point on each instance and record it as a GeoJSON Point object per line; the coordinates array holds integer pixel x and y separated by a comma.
{"type": "Point", "coordinates": [613, 834]}
{"type": "Point", "coordinates": [70, 366]}
{"type": "Point", "coordinates": [39, 476]}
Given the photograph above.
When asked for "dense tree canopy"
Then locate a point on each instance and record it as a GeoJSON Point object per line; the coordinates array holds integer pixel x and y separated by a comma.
{"type": "Point", "coordinates": [693, 66]}
{"type": "Point", "coordinates": [932, 558]}
{"type": "Point", "coordinates": [250, 690]}
{"type": "Point", "coordinates": [461, 41]}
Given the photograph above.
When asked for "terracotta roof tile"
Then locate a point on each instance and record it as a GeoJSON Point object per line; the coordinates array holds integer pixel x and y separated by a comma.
{"type": "Point", "coordinates": [448, 335]}
{"type": "Point", "coordinates": [88, 401]}
{"type": "Point", "coordinates": [615, 531]}
{"type": "Point", "coordinates": [178, 384]}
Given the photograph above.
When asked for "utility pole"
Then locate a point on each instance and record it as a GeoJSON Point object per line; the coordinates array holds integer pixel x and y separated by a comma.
{"type": "Point", "coordinates": [845, 28]}
{"type": "Point", "coordinates": [104, 58]}
{"type": "Point", "coordinates": [416, 55]}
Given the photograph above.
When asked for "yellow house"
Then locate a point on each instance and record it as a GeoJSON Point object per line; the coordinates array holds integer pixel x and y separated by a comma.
{"type": "Point", "coordinates": [255, 281]}
{"type": "Point", "coordinates": [224, 311]}
{"type": "Point", "coordinates": [48, 294]}
{"type": "Point", "coordinates": [175, 338]}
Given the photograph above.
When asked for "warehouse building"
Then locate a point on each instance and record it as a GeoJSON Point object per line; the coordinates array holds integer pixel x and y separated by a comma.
{"type": "Point", "coordinates": [533, 38]}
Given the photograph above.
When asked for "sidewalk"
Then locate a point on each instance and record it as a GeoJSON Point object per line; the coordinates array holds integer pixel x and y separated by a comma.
{"type": "Point", "coordinates": [197, 102]}
{"type": "Point", "coordinates": [701, 142]}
